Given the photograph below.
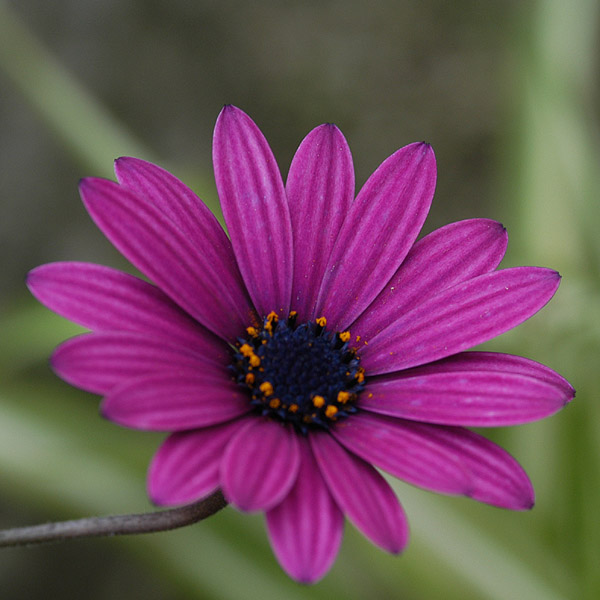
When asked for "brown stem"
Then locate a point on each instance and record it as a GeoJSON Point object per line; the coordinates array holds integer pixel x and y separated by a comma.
{"type": "Point", "coordinates": [115, 525]}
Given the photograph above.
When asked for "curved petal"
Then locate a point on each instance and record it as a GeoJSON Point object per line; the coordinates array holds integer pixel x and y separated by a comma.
{"type": "Point", "coordinates": [178, 202]}
{"type": "Point", "coordinates": [255, 209]}
{"type": "Point", "coordinates": [406, 450]}
{"type": "Point", "coordinates": [496, 361]}
{"type": "Point", "coordinates": [306, 528]}
{"type": "Point", "coordinates": [105, 299]}
{"type": "Point", "coordinates": [320, 190]}
{"type": "Point", "coordinates": [362, 494]}
{"type": "Point", "coordinates": [186, 466]}
{"type": "Point", "coordinates": [377, 234]}
{"type": "Point", "coordinates": [260, 465]}
{"type": "Point", "coordinates": [497, 478]}
{"type": "Point", "coordinates": [445, 257]}
{"type": "Point", "coordinates": [98, 362]}
{"type": "Point", "coordinates": [190, 271]}
{"type": "Point", "coordinates": [175, 402]}
{"type": "Point", "coordinates": [460, 317]}
{"type": "Point", "coordinates": [470, 398]}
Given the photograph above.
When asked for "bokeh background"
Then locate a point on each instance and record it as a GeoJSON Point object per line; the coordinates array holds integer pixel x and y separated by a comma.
{"type": "Point", "coordinates": [508, 94]}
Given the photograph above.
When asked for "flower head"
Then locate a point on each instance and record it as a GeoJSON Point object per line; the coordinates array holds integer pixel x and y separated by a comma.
{"type": "Point", "coordinates": [319, 341]}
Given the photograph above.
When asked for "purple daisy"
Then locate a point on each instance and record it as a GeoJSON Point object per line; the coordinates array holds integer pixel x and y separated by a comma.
{"type": "Point", "coordinates": [319, 341]}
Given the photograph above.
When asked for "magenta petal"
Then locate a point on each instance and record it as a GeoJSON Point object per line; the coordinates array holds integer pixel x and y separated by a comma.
{"type": "Point", "coordinates": [445, 257]}
{"type": "Point", "coordinates": [497, 478]}
{"type": "Point", "coordinates": [496, 361]}
{"type": "Point", "coordinates": [471, 388]}
{"type": "Point", "coordinates": [104, 299]}
{"type": "Point", "coordinates": [178, 202]}
{"type": "Point", "coordinates": [475, 398]}
{"type": "Point", "coordinates": [186, 466]}
{"type": "Point", "coordinates": [175, 402]}
{"type": "Point", "coordinates": [362, 494]}
{"type": "Point", "coordinates": [98, 362]}
{"type": "Point", "coordinates": [406, 450]}
{"type": "Point", "coordinates": [306, 528]}
{"type": "Point", "coordinates": [260, 465]}
{"type": "Point", "coordinates": [255, 209]}
{"type": "Point", "coordinates": [377, 234]}
{"type": "Point", "coordinates": [460, 317]}
{"type": "Point", "coordinates": [190, 271]}
{"type": "Point", "coordinates": [320, 190]}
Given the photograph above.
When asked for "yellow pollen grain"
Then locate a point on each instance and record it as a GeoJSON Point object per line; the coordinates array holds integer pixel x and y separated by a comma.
{"type": "Point", "coordinates": [360, 375]}
{"type": "Point", "coordinates": [252, 331]}
{"type": "Point", "coordinates": [343, 397]}
{"type": "Point", "coordinates": [321, 321]}
{"type": "Point", "coordinates": [293, 313]}
{"type": "Point", "coordinates": [246, 350]}
{"type": "Point", "coordinates": [293, 408]}
{"type": "Point", "coordinates": [331, 411]}
{"type": "Point", "coordinates": [318, 401]}
{"type": "Point", "coordinates": [358, 338]}
{"type": "Point", "coordinates": [254, 360]}
{"type": "Point", "coordinates": [275, 403]}
{"type": "Point", "coordinates": [249, 378]}
{"type": "Point", "coordinates": [266, 388]}
{"type": "Point", "coordinates": [345, 336]}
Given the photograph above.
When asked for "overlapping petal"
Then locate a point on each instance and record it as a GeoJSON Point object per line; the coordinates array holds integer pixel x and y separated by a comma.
{"type": "Point", "coordinates": [187, 465]}
{"type": "Point", "coordinates": [98, 362]}
{"type": "Point", "coordinates": [406, 450]}
{"type": "Point", "coordinates": [496, 477]}
{"type": "Point", "coordinates": [175, 402]}
{"type": "Point", "coordinates": [104, 299]}
{"type": "Point", "coordinates": [320, 190]}
{"type": "Point", "coordinates": [460, 317]}
{"type": "Point", "coordinates": [362, 494]}
{"type": "Point", "coordinates": [475, 398]}
{"type": "Point", "coordinates": [445, 257]}
{"type": "Point", "coordinates": [190, 271]}
{"type": "Point", "coordinates": [306, 528]}
{"type": "Point", "coordinates": [381, 226]}
{"type": "Point", "coordinates": [255, 209]}
{"type": "Point", "coordinates": [260, 465]}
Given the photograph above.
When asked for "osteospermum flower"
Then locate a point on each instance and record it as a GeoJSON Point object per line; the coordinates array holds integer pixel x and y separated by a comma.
{"type": "Point", "coordinates": [319, 342]}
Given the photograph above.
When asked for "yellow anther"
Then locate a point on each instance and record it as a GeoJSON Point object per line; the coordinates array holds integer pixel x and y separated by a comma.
{"type": "Point", "coordinates": [345, 336]}
{"type": "Point", "coordinates": [343, 397]}
{"type": "Point", "coordinates": [318, 401]}
{"type": "Point", "coordinates": [266, 388]}
{"type": "Point", "coordinates": [293, 314]}
{"type": "Point", "coordinates": [254, 360]}
{"type": "Point", "coordinates": [271, 319]}
{"type": "Point", "coordinates": [331, 411]}
{"type": "Point", "coordinates": [293, 408]}
{"type": "Point", "coordinates": [252, 331]}
{"type": "Point", "coordinates": [358, 338]}
{"type": "Point", "coordinates": [246, 350]}
{"type": "Point", "coordinates": [249, 378]}
{"type": "Point", "coordinates": [275, 403]}
{"type": "Point", "coordinates": [321, 321]}
{"type": "Point", "coordinates": [360, 375]}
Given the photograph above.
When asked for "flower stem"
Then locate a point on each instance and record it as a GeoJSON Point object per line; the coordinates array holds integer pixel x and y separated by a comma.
{"type": "Point", "coordinates": [114, 525]}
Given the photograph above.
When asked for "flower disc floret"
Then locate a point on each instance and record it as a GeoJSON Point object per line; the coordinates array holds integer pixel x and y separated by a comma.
{"type": "Point", "coordinates": [299, 373]}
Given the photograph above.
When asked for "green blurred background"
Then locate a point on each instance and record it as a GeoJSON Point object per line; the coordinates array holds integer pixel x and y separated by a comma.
{"type": "Point", "coordinates": [508, 94]}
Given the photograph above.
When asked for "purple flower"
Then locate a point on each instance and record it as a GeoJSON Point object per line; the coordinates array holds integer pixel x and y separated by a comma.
{"type": "Point", "coordinates": [322, 341]}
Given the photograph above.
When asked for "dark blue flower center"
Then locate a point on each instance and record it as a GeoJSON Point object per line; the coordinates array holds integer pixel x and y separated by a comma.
{"type": "Point", "coordinates": [299, 374]}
